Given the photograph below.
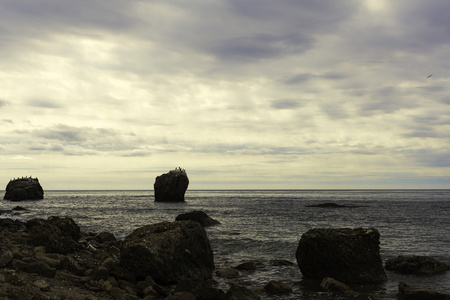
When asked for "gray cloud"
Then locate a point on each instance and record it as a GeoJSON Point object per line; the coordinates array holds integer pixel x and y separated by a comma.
{"type": "Point", "coordinates": [286, 103]}
{"type": "Point", "coordinates": [44, 103]}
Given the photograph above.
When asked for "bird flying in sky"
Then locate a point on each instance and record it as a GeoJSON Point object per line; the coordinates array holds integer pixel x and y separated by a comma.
{"type": "Point", "coordinates": [429, 76]}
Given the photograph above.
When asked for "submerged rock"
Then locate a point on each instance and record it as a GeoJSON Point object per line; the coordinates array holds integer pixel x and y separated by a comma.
{"type": "Point", "coordinates": [416, 265]}
{"type": "Point", "coordinates": [412, 292]}
{"type": "Point", "coordinates": [168, 252]}
{"type": "Point", "coordinates": [24, 189]}
{"type": "Point", "coordinates": [348, 255]}
{"type": "Point", "coordinates": [199, 217]}
{"type": "Point", "coordinates": [171, 186]}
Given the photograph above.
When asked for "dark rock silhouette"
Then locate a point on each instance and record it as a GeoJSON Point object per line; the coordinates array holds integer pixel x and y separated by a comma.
{"type": "Point", "coordinates": [168, 252]}
{"type": "Point", "coordinates": [348, 255]}
{"type": "Point", "coordinates": [171, 186]}
{"type": "Point", "coordinates": [199, 217]}
{"type": "Point", "coordinates": [416, 265]}
{"type": "Point", "coordinates": [25, 188]}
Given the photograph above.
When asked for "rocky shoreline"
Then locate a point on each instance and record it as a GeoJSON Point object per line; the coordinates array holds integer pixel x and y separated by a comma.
{"type": "Point", "coordinates": [54, 259]}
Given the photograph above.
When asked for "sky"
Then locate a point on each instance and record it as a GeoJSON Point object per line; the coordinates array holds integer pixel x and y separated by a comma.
{"type": "Point", "coordinates": [243, 94]}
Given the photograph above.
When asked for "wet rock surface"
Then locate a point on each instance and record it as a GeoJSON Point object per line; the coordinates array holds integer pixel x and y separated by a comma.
{"type": "Point", "coordinates": [25, 188]}
{"type": "Point", "coordinates": [348, 255]}
{"type": "Point", "coordinates": [171, 186]}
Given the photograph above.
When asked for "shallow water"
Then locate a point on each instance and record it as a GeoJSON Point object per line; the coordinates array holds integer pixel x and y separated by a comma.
{"type": "Point", "coordinates": [266, 225]}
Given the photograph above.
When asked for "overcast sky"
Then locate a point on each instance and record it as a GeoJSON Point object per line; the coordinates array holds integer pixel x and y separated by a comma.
{"type": "Point", "coordinates": [296, 94]}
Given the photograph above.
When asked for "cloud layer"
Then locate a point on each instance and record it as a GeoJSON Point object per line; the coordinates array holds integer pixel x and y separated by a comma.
{"type": "Point", "coordinates": [242, 94]}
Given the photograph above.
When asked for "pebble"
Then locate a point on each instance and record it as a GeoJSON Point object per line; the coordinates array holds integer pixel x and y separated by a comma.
{"type": "Point", "coordinates": [42, 284]}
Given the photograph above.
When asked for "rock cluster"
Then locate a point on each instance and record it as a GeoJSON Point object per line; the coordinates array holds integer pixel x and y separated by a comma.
{"type": "Point", "coordinates": [53, 259]}
{"type": "Point", "coordinates": [171, 186]}
{"type": "Point", "coordinates": [345, 254]}
{"type": "Point", "coordinates": [25, 188]}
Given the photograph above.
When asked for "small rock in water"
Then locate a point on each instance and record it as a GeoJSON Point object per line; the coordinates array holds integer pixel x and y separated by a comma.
{"type": "Point", "coordinates": [199, 217]}
{"type": "Point", "coordinates": [416, 265]}
{"type": "Point", "coordinates": [411, 292]}
{"type": "Point", "coordinates": [228, 273]}
{"type": "Point", "coordinates": [246, 266]}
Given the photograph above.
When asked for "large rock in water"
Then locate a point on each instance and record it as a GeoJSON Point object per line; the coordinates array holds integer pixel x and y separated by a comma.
{"type": "Point", "coordinates": [171, 186]}
{"type": "Point", "coordinates": [168, 252]}
{"type": "Point", "coordinates": [348, 255]}
{"type": "Point", "coordinates": [24, 189]}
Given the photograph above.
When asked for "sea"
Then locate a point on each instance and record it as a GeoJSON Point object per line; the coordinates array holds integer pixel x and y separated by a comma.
{"type": "Point", "coordinates": [266, 225]}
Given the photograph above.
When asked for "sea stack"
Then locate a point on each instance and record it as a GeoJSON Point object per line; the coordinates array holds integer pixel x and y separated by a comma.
{"type": "Point", "coordinates": [171, 186]}
{"type": "Point", "coordinates": [25, 188]}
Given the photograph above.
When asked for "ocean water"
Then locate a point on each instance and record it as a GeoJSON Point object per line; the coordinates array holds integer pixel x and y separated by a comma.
{"type": "Point", "coordinates": [264, 225]}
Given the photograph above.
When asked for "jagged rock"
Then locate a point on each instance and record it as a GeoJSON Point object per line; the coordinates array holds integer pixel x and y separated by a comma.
{"type": "Point", "coordinates": [24, 189]}
{"type": "Point", "coordinates": [199, 217]}
{"type": "Point", "coordinates": [416, 265]}
{"type": "Point", "coordinates": [168, 252]}
{"type": "Point", "coordinates": [348, 255]}
{"type": "Point", "coordinates": [171, 186]}
{"type": "Point", "coordinates": [411, 292]}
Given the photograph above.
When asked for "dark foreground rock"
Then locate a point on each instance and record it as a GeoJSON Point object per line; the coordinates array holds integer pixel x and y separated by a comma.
{"type": "Point", "coordinates": [199, 217]}
{"type": "Point", "coordinates": [412, 292]}
{"type": "Point", "coordinates": [421, 265]}
{"type": "Point", "coordinates": [171, 186]}
{"type": "Point", "coordinates": [168, 252]}
{"type": "Point", "coordinates": [24, 189]}
{"type": "Point", "coordinates": [348, 255]}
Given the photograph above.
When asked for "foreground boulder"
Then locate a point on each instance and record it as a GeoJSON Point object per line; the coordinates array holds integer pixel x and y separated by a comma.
{"type": "Point", "coordinates": [168, 252]}
{"type": "Point", "coordinates": [199, 217]}
{"type": "Point", "coordinates": [348, 255]}
{"type": "Point", "coordinates": [416, 265]}
{"type": "Point", "coordinates": [56, 234]}
{"type": "Point", "coordinates": [171, 186]}
{"type": "Point", "coordinates": [24, 189]}
{"type": "Point", "coordinates": [412, 292]}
